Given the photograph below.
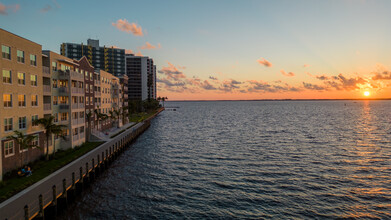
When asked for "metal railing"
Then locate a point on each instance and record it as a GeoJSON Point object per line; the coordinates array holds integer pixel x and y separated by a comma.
{"type": "Point", "coordinates": [47, 106]}
{"type": "Point", "coordinates": [46, 71]}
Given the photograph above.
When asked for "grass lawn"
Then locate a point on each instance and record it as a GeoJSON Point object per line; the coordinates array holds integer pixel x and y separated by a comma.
{"type": "Point", "coordinates": [139, 117]}
{"type": "Point", "coordinates": [41, 169]}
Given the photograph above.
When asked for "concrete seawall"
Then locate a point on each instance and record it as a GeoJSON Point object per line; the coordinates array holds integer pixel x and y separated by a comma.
{"type": "Point", "coordinates": [52, 194]}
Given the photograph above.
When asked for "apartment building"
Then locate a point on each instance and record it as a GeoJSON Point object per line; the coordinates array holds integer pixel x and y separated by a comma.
{"type": "Point", "coordinates": [89, 84]}
{"type": "Point", "coordinates": [21, 100]}
{"type": "Point", "coordinates": [67, 98]}
{"type": "Point", "coordinates": [109, 59]}
{"type": "Point", "coordinates": [141, 72]}
{"type": "Point", "coordinates": [125, 100]}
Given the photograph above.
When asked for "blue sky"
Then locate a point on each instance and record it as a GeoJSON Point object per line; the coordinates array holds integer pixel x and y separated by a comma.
{"type": "Point", "coordinates": [224, 39]}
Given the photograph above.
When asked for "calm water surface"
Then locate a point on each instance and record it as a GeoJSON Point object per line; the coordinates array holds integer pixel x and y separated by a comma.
{"type": "Point", "coordinates": [282, 160]}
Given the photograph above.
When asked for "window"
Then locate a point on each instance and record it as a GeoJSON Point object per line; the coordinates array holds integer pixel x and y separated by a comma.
{"type": "Point", "coordinates": [87, 102]}
{"type": "Point", "coordinates": [34, 100]}
{"type": "Point", "coordinates": [22, 122]}
{"type": "Point", "coordinates": [7, 76]}
{"type": "Point", "coordinates": [6, 52]}
{"type": "Point", "coordinates": [34, 80]}
{"type": "Point", "coordinates": [55, 100]}
{"type": "Point", "coordinates": [33, 60]}
{"type": "Point", "coordinates": [54, 66]}
{"type": "Point", "coordinates": [9, 148]}
{"type": "Point", "coordinates": [63, 99]}
{"type": "Point", "coordinates": [33, 119]}
{"type": "Point", "coordinates": [55, 117]}
{"type": "Point", "coordinates": [81, 130]}
{"type": "Point", "coordinates": [35, 141]}
{"type": "Point", "coordinates": [54, 83]}
{"type": "Point", "coordinates": [81, 115]}
{"type": "Point", "coordinates": [8, 124]}
{"type": "Point", "coordinates": [7, 100]}
{"type": "Point", "coordinates": [22, 100]}
{"type": "Point", "coordinates": [21, 79]}
{"type": "Point", "coordinates": [20, 55]}
{"type": "Point", "coordinates": [64, 116]}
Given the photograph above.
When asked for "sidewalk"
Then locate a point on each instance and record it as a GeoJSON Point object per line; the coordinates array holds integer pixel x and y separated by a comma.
{"type": "Point", "coordinates": [105, 135]}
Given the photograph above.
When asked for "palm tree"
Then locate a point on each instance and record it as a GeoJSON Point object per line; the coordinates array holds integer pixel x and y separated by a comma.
{"type": "Point", "coordinates": [24, 142]}
{"type": "Point", "coordinates": [118, 113]}
{"type": "Point", "coordinates": [50, 129]}
{"type": "Point", "coordinates": [89, 116]}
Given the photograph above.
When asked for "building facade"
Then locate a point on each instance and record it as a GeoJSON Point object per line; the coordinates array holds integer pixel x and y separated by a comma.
{"type": "Point", "coordinates": [141, 73]}
{"type": "Point", "coordinates": [109, 59]}
{"type": "Point", "coordinates": [21, 100]}
{"type": "Point", "coordinates": [67, 99]}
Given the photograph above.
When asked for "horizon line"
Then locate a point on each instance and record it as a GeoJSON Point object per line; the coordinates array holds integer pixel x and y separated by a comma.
{"type": "Point", "coordinates": [203, 100]}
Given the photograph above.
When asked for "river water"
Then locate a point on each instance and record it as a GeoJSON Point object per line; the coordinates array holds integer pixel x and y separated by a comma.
{"type": "Point", "coordinates": [252, 159]}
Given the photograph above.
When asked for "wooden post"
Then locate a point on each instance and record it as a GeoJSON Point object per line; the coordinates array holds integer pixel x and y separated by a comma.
{"type": "Point", "coordinates": [41, 211]}
{"type": "Point", "coordinates": [26, 212]}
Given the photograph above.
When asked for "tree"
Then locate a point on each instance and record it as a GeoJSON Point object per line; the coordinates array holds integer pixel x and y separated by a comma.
{"type": "Point", "coordinates": [164, 99]}
{"type": "Point", "coordinates": [24, 142]}
{"type": "Point", "coordinates": [50, 128]}
{"type": "Point", "coordinates": [89, 116]}
{"type": "Point", "coordinates": [118, 113]}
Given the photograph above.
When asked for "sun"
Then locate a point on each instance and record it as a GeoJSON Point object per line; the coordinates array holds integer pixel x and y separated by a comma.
{"type": "Point", "coordinates": [366, 93]}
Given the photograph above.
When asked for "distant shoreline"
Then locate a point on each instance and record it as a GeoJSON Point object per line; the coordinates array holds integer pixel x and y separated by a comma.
{"type": "Point", "coordinates": [253, 100]}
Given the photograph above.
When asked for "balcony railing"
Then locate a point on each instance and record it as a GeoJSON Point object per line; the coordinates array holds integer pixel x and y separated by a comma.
{"type": "Point", "coordinates": [63, 90]}
{"type": "Point", "coordinates": [64, 106]}
{"type": "Point", "coordinates": [97, 94]}
{"type": "Point", "coordinates": [47, 88]}
{"type": "Point", "coordinates": [77, 90]}
{"type": "Point", "coordinates": [46, 71]}
{"type": "Point", "coordinates": [47, 106]}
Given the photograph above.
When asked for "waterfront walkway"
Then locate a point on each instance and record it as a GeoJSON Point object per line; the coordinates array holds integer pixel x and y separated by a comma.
{"type": "Point", "coordinates": [107, 134]}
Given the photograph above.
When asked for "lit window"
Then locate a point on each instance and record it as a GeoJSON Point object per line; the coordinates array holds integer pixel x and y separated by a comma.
{"type": "Point", "coordinates": [21, 79]}
{"type": "Point", "coordinates": [9, 148]}
{"type": "Point", "coordinates": [54, 83]}
{"type": "Point", "coordinates": [22, 122]}
{"type": "Point", "coordinates": [55, 100]}
{"type": "Point", "coordinates": [35, 141]}
{"type": "Point", "coordinates": [34, 80]}
{"type": "Point", "coordinates": [7, 100]}
{"type": "Point", "coordinates": [7, 76]}
{"type": "Point", "coordinates": [34, 100]}
{"type": "Point", "coordinates": [20, 55]}
{"type": "Point", "coordinates": [64, 116]}
{"type": "Point", "coordinates": [6, 52]}
{"type": "Point", "coordinates": [22, 100]}
{"type": "Point", "coordinates": [33, 60]}
{"type": "Point", "coordinates": [8, 122]}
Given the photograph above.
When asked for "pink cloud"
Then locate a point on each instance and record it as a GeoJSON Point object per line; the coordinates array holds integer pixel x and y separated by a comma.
{"type": "Point", "coordinates": [306, 65]}
{"type": "Point", "coordinates": [139, 54]}
{"type": "Point", "coordinates": [4, 8]}
{"type": "Point", "coordinates": [264, 62]}
{"type": "Point", "coordinates": [290, 74]}
{"type": "Point", "coordinates": [124, 25]}
{"type": "Point", "coordinates": [149, 46]}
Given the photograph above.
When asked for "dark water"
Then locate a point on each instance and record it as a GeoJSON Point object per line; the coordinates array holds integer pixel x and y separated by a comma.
{"type": "Point", "coordinates": [282, 160]}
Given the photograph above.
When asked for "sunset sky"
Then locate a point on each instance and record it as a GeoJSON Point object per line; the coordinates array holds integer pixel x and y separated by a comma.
{"type": "Point", "coordinates": [230, 49]}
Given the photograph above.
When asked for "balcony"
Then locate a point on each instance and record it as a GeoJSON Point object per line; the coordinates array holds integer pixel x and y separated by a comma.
{"type": "Point", "coordinates": [75, 137]}
{"type": "Point", "coordinates": [63, 90]}
{"type": "Point", "coordinates": [47, 89]}
{"type": "Point", "coordinates": [70, 74]}
{"type": "Point", "coordinates": [97, 93]}
{"type": "Point", "coordinates": [97, 82]}
{"type": "Point", "coordinates": [64, 106]}
{"type": "Point", "coordinates": [77, 90]}
{"type": "Point", "coordinates": [46, 71]}
{"type": "Point", "coordinates": [47, 107]}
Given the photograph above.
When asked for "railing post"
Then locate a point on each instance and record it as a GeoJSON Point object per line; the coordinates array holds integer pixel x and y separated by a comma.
{"type": "Point", "coordinates": [54, 193]}
{"type": "Point", "coordinates": [26, 212]}
{"type": "Point", "coordinates": [64, 188]}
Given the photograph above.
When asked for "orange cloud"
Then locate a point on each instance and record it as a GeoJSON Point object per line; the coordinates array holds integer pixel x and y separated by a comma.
{"type": "Point", "coordinates": [264, 62]}
{"type": "Point", "coordinates": [129, 51]}
{"type": "Point", "coordinates": [124, 25]}
{"type": "Point", "coordinates": [4, 8]}
{"type": "Point", "coordinates": [306, 65]}
{"type": "Point", "coordinates": [139, 54]}
{"type": "Point", "coordinates": [290, 74]}
{"type": "Point", "coordinates": [149, 46]}
{"type": "Point", "coordinates": [172, 72]}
